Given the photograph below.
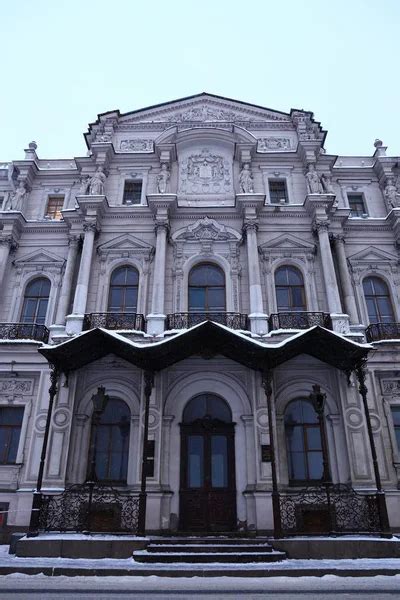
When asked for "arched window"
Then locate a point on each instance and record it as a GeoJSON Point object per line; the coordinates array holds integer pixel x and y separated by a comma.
{"type": "Point", "coordinates": [303, 442]}
{"type": "Point", "coordinates": [207, 406]}
{"type": "Point", "coordinates": [377, 298]}
{"type": "Point", "coordinates": [206, 289]}
{"type": "Point", "coordinates": [289, 288]}
{"type": "Point", "coordinates": [124, 286]}
{"type": "Point", "coordinates": [112, 442]}
{"type": "Point", "coordinates": [36, 299]}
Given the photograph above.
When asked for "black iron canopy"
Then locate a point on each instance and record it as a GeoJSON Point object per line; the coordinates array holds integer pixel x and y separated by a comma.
{"type": "Point", "coordinates": [207, 340]}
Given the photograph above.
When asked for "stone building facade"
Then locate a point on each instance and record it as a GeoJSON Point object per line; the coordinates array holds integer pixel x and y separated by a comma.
{"type": "Point", "coordinates": [221, 277]}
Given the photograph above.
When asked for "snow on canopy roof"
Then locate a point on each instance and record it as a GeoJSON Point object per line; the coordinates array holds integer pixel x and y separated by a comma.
{"type": "Point", "coordinates": [206, 339]}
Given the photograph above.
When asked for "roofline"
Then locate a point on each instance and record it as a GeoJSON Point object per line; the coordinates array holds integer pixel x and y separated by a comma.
{"type": "Point", "coordinates": [202, 94]}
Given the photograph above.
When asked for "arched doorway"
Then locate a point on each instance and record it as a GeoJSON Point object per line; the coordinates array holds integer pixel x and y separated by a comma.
{"type": "Point", "coordinates": [207, 489]}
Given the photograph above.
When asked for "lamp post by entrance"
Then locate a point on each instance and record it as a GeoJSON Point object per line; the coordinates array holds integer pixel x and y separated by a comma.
{"type": "Point", "coordinates": [318, 400]}
{"type": "Point", "coordinates": [99, 400]}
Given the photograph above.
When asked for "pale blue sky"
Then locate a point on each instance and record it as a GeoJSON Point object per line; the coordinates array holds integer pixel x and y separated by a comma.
{"type": "Point", "coordinates": [63, 62]}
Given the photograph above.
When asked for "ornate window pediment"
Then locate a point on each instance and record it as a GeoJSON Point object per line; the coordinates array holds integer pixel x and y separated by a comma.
{"type": "Point", "coordinates": [287, 245]}
{"type": "Point", "coordinates": [372, 256]}
{"type": "Point", "coordinates": [40, 259]}
{"type": "Point", "coordinates": [125, 245]}
{"type": "Point", "coordinates": [206, 229]}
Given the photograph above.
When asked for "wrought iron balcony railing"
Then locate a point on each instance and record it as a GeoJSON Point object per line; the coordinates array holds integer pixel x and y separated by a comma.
{"type": "Point", "coordinates": [382, 331]}
{"type": "Point", "coordinates": [110, 320]}
{"type": "Point", "coordinates": [299, 320]}
{"type": "Point", "coordinates": [90, 507]}
{"type": "Point", "coordinates": [328, 509]}
{"type": "Point", "coordinates": [24, 331]}
{"type": "Point", "coordinates": [188, 319]}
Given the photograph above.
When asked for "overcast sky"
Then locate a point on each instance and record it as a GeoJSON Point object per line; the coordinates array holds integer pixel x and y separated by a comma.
{"type": "Point", "coordinates": [64, 62]}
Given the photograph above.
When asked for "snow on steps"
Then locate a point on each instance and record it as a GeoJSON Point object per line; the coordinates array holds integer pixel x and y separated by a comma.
{"type": "Point", "coordinates": [208, 550]}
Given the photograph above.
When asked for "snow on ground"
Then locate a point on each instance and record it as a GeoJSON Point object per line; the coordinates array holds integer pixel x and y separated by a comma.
{"type": "Point", "coordinates": [10, 560]}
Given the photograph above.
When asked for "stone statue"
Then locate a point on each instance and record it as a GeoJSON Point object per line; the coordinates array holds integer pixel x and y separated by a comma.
{"type": "Point", "coordinates": [18, 197]}
{"type": "Point", "coordinates": [96, 183]}
{"type": "Point", "coordinates": [163, 179]}
{"type": "Point", "coordinates": [246, 180]}
{"type": "Point", "coordinates": [313, 181]}
{"type": "Point", "coordinates": [391, 194]}
{"type": "Point", "coordinates": [326, 180]}
{"type": "Point", "coordinates": [84, 184]}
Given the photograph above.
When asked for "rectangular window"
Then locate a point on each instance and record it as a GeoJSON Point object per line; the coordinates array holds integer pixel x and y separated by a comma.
{"type": "Point", "coordinates": [10, 430]}
{"type": "Point", "coordinates": [132, 192]}
{"type": "Point", "coordinates": [1, 202]}
{"type": "Point", "coordinates": [396, 423]}
{"type": "Point", "coordinates": [54, 206]}
{"type": "Point", "coordinates": [357, 205]}
{"type": "Point", "coordinates": [277, 191]}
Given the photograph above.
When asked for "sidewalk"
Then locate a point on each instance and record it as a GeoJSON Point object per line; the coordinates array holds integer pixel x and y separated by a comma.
{"type": "Point", "coordinates": [366, 567]}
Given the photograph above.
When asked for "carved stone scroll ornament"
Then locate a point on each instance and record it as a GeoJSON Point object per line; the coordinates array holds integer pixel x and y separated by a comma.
{"type": "Point", "coordinates": [274, 144]}
{"type": "Point", "coordinates": [136, 145]}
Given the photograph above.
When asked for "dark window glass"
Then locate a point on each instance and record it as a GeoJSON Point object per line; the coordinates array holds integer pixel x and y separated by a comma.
{"type": "Point", "coordinates": [112, 442]}
{"type": "Point", "coordinates": [289, 288]}
{"type": "Point", "coordinates": [396, 423]}
{"type": "Point", "coordinates": [377, 299]}
{"type": "Point", "coordinates": [357, 205]}
{"type": "Point", "coordinates": [124, 285]}
{"type": "Point", "coordinates": [206, 289]}
{"type": "Point", "coordinates": [303, 440]}
{"type": "Point", "coordinates": [195, 465]}
{"type": "Point", "coordinates": [10, 431]}
{"type": "Point", "coordinates": [207, 406]}
{"type": "Point", "coordinates": [36, 299]}
{"type": "Point", "coordinates": [54, 206]}
{"type": "Point", "coordinates": [277, 191]}
{"type": "Point", "coordinates": [219, 461]}
{"type": "Point", "coordinates": [132, 192]}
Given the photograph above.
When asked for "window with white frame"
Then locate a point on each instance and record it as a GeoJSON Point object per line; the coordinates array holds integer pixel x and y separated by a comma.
{"type": "Point", "coordinates": [10, 431]}
{"type": "Point", "coordinates": [357, 205]}
{"type": "Point", "coordinates": [132, 192]}
{"type": "Point", "coordinates": [396, 424]}
{"type": "Point", "coordinates": [54, 207]}
{"type": "Point", "coordinates": [278, 191]}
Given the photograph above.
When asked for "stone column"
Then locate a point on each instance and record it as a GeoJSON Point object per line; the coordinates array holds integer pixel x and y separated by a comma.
{"type": "Point", "coordinates": [156, 320]}
{"type": "Point", "coordinates": [258, 319]}
{"type": "Point", "coordinates": [348, 293]}
{"type": "Point", "coordinates": [339, 321]}
{"type": "Point", "coordinates": [65, 294]}
{"type": "Point", "coordinates": [6, 245]}
{"type": "Point", "coordinates": [75, 320]}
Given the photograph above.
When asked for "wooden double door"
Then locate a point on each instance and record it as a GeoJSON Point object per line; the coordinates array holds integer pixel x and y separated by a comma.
{"type": "Point", "coordinates": [208, 490]}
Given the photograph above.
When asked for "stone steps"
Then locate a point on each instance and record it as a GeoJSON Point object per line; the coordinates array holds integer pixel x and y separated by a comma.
{"type": "Point", "coordinates": [208, 550]}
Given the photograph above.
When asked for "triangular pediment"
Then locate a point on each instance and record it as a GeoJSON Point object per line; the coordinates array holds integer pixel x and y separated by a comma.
{"type": "Point", "coordinates": [41, 256]}
{"type": "Point", "coordinates": [125, 243]}
{"type": "Point", "coordinates": [289, 242]}
{"type": "Point", "coordinates": [372, 254]}
{"type": "Point", "coordinates": [203, 108]}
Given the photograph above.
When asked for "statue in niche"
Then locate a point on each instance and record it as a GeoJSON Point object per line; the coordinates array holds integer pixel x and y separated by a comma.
{"type": "Point", "coordinates": [84, 184]}
{"type": "Point", "coordinates": [246, 180]}
{"type": "Point", "coordinates": [96, 183]}
{"type": "Point", "coordinates": [326, 180]}
{"type": "Point", "coordinates": [163, 179]}
{"type": "Point", "coordinates": [17, 199]}
{"type": "Point", "coordinates": [314, 185]}
{"type": "Point", "coordinates": [391, 194]}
